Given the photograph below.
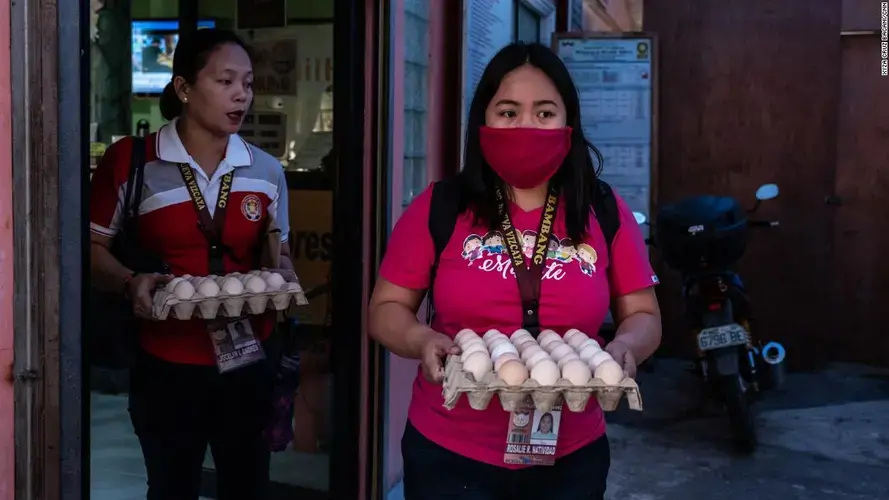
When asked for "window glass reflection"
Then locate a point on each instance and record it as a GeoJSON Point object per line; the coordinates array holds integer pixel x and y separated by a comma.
{"type": "Point", "coordinates": [416, 89]}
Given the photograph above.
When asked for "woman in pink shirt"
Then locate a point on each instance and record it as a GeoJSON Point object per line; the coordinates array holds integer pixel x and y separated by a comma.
{"type": "Point", "coordinates": [526, 157]}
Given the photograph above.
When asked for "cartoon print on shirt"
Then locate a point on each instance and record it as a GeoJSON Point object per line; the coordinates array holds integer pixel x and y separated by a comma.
{"type": "Point", "coordinates": [473, 248]}
{"type": "Point", "coordinates": [493, 243]}
{"type": "Point", "coordinates": [567, 251]}
{"type": "Point", "coordinates": [587, 256]}
{"type": "Point", "coordinates": [529, 239]}
{"type": "Point", "coordinates": [552, 250]}
{"type": "Point", "coordinates": [488, 253]}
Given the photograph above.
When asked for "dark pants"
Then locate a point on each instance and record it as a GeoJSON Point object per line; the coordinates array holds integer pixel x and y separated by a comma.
{"type": "Point", "coordinates": [432, 472]}
{"type": "Point", "coordinates": [177, 410]}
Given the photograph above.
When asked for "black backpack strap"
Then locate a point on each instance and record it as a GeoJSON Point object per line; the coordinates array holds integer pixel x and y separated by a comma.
{"type": "Point", "coordinates": [444, 208]}
{"type": "Point", "coordinates": [135, 181]}
{"type": "Point", "coordinates": [607, 214]}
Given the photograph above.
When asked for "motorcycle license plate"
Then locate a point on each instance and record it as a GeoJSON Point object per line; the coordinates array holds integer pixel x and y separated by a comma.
{"type": "Point", "coordinates": [722, 336]}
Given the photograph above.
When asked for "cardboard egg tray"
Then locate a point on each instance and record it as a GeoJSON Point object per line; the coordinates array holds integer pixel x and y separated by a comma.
{"type": "Point", "coordinates": [457, 382]}
{"type": "Point", "coordinates": [224, 305]}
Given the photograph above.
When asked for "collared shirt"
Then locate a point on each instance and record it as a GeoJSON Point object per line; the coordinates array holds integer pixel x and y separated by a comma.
{"type": "Point", "coordinates": [168, 222]}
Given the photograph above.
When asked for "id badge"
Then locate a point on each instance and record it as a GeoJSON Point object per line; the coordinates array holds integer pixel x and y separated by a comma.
{"type": "Point", "coordinates": [532, 436]}
{"type": "Point", "coordinates": [234, 344]}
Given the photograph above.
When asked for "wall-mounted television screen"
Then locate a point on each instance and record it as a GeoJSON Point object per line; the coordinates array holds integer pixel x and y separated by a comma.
{"type": "Point", "coordinates": [154, 42]}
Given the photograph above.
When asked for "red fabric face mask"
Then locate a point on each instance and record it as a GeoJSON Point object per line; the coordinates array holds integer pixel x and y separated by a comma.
{"type": "Point", "coordinates": [525, 157]}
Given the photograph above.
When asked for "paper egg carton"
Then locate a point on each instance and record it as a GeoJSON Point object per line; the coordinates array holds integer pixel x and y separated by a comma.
{"type": "Point", "coordinates": [224, 305]}
{"type": "Point", "coordinates": [576, 397]}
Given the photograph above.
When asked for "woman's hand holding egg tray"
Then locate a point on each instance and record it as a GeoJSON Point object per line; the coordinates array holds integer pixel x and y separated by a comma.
{"type": "Point", "coordinates": [572, 367]}
{"type": "Point", "coordinates": [209, 297]}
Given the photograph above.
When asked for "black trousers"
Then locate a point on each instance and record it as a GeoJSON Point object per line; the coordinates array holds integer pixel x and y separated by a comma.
{"type": "Point", "coordinates": [178, 410]}
{"type": "Point", "coordinates": [432, 472]}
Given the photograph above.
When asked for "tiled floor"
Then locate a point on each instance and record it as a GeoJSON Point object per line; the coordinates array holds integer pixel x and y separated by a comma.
{"type": "Point", "coordinates": [118, 472]}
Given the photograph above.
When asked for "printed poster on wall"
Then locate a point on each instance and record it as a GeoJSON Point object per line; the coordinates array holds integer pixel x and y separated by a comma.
{"type": "Point", "coordinates": [274, 66]}
{"type": "Point", "coordinates": [614, 81]}
{"type": "Point", "coordinates": [294, 76]}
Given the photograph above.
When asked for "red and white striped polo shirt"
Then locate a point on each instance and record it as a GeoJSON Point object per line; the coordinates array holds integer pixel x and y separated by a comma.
{"type": "Point", "coordinates": [168, 223]}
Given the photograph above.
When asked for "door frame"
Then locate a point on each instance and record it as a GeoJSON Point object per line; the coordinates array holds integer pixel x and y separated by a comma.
{"type": "Point", "coordinates": [49, 150]}
{"type": "Point", "coordinates": [50, 72]}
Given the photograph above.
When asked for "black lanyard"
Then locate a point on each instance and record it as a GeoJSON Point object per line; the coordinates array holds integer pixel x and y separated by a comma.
{"type": "Point", "coordinates": [529, 274]}
{"type": "Point", "coordinates": [211, 226]}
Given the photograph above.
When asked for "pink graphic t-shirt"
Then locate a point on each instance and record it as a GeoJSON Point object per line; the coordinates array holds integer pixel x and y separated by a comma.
{"type": "Point", "coordinates": [475, 288]}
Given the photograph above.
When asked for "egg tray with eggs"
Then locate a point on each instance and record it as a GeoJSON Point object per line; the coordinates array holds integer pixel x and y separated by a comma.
{"type": "Point", "coordinates": [546, 369]}
{"type": "Point", "coordinates": [209, 297]}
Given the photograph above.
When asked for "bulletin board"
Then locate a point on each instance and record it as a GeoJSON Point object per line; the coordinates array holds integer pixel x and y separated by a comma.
{"type": "Point", "coordinates": [616, 79]}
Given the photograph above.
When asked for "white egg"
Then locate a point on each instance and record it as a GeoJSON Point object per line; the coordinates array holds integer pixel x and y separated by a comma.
{"type": "Point", "coordinates": [503, 358]}
{"type": "Point", "coordinates": [231, 286]}
{"type": "Point", "coordinates": [491, 333]}
{"type": "Point", "coordinates": [599, 358]}
{"type": "Point", "coordinates": [560, 350]}
{"type": "Point", "coordinates": [496, 340]}
{"type": "Point", "coordinates": [571, 333]}
{"type": "Point", "coordinates": [527, 345]}
{"type": "Point", "coordinates": [265, 275]}
{"type": "Point", "coordinates": [531, 351]}
{"type": "Point", "coordinates": [545, 372]}
{"type": "Point", "coordinates": [478, 364]}
{"type": "Point", "coordinates": [539, 356]}
{"type": "Point", "coordinates": [274, 281]}
{"type": "Point", "coordinates": [546, 335]}
{"type": "Point", "coordinates": [473, 342]}
{"type": "Point", "coordinates": [610, 372]}
{"type": "Point", "coordinates": [208, 288]}
{"type": "Point", "coordinates": [549, 343]}
{"type": "Point", "coordinates": [472, 348]}
{"type": "Point", "coordinates": [587, 353]}
{"type": "Point", "coordinates": [503, 348]}
{"type": "Point", "coordinates": [577, 372]}
{"type": "Point", "coordinates": [568, 358]}
{"type": "Point", "coordinates": [463, 334]}
{"type": "Point", "coordinates": [520, 333]}
{"type": "Point", "coordinates": [184, 290]}
{"type": "Point", "coordinates": [589, 342]}
{"type": "Point", "coordinates": [576, 341]}
{"type": "Point", "coordinates": [255, 284]}
{"type": "Point", "coordinates": [172, 284]}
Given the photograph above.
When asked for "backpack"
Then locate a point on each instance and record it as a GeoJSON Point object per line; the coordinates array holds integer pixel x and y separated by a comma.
{"type": "Point", "coordinates": [445, 208]}
{"type": "Point", "coordinates": [110, 322]}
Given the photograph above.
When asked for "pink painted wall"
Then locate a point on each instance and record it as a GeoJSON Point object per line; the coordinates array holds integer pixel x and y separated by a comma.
{"type": "Point", "coordinates": [401, 371]}
{"type": "Point", "coordinates": [7, 444]}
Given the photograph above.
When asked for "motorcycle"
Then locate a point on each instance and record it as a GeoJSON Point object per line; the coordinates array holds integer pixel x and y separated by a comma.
{"type": "Point", "coordinates": [704, 237]}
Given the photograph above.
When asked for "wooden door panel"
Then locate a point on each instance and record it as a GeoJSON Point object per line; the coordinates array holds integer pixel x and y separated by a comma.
{"type": "Point", "coordinates": [745, 101]}
{"type": "Point", "coordinates": [861, 237]}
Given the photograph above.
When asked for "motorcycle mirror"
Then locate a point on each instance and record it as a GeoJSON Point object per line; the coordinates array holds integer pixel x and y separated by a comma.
{"type": "Point", "coordinates": [767, 192]}
{"type": "Point", "coordinates": [640, 218]}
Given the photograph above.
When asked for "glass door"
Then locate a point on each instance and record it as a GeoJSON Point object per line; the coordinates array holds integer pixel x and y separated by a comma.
{"type": "Point", "coordinates": [305, 84]}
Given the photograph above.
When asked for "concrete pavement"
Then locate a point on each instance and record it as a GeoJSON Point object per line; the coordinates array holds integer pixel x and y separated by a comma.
{"type": "Point", "coordinates": [825, 436]}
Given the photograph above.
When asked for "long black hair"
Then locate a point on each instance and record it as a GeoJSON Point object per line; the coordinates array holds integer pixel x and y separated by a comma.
{"type": "Point", "coordinates": [192, 53]}
{"type": "Point", "coordinates": [577, 177]}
